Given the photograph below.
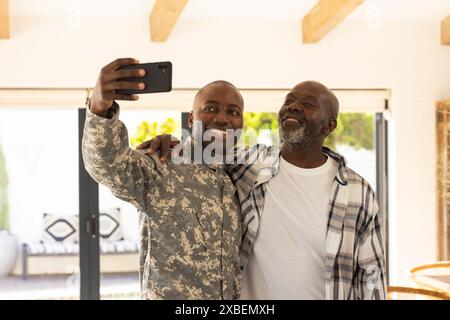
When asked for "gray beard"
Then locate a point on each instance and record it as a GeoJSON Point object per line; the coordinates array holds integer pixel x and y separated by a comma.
{"type": "Point", "coordinates": [296, 136]}
{"type": "Point", "coordinates": [301, 137]}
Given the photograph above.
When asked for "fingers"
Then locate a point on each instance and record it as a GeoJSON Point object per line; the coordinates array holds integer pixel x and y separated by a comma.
{"type": "Point", "coordinates": [116, 64]}
{"type": "Point", "coordinates": [147, 146]}
{"type": "Point", "coordinates": [105, 91]}
{"type": "Point", "coordinates": [144, 145]}
{"type": "Point", "coordinates": [161, 143]}
{"type": "Point", "coordinates": [115, 85]}
{"type": "Point", "coordinates": [155, 145]}
{"type": "Point", "coordinates": [164, 147]}
{"type": "Point", "coordinates": [109, 84]}
{"type": "Point", "coordinates": [125, 73]}
{"type": "Point", "coordinates": [173, 142]}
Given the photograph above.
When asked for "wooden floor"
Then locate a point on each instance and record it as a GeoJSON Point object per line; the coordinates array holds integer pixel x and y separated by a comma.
{"type": "Point", "coordinates": [62, 287]}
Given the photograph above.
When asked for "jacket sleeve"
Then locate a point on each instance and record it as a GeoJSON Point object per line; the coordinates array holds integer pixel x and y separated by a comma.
{"type": "Point", "coordinates": [108, 158]}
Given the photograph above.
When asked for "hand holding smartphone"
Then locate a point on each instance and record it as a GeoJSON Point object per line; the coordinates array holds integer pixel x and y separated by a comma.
{"type": "Point", "coordinates": [158, 77]}
{"type": "Point", "coordinates": [125, 78]}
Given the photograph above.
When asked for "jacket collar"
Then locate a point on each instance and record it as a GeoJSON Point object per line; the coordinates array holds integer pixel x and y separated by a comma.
{"type": "Point", "coordinates": [271, 165]}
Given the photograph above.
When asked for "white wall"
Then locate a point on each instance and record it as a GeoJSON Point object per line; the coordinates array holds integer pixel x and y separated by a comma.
{"type": "Point", "coordinates": [405, 57]}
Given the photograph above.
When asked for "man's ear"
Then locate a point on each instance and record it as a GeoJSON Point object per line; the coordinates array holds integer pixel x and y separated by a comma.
{"type": "Point", "coordinates": [332, 124]}
{"type": "Point", "coordinates": [190, 119]}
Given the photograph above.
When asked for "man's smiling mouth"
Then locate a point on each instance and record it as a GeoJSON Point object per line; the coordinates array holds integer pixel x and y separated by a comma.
{"type": "Point", "coordinates": [217, 132]}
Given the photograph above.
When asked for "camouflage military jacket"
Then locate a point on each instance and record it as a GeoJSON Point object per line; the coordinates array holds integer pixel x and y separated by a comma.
{"type": "Point", "coordinates": [190, 223]}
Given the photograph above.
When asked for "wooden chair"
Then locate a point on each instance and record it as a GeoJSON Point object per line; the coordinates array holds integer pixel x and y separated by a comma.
{"type": "Point", "coordinates": [408, 293]}
{"type": "Point", "coordinates": [433, 276]}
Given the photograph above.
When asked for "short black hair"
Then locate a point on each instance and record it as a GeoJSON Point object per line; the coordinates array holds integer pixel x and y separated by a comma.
{"type": "Point", "coordinates": [223, 82]}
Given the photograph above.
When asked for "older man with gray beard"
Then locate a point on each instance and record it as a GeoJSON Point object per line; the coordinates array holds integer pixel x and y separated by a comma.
{"type": "Point", "coordinates": [311, 224]}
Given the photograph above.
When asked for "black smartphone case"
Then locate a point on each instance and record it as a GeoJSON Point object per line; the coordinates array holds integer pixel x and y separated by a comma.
{"type": "Point", "coordinates": [158, 77]}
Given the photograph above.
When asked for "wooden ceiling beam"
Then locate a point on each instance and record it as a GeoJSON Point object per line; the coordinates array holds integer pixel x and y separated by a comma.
{"type": "Point", "coordinates": [4, 19]}
{"type": "Point", "coordinates": [325, 16]}
{"type": "Point", "coordinates": [445, 31]}
{"type": "Point", "coordinates": [163, 18]}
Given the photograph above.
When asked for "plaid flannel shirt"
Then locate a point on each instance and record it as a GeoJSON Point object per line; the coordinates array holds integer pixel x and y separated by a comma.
{"type": "Point", "coordinates": [355, 267]}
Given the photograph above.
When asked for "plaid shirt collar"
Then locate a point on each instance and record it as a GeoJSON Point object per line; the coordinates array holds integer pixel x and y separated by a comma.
{"type": "Point", "coordinates": [271, 168]}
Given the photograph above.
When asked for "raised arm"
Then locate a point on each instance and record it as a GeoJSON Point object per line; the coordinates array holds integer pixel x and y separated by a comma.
{"type": "Point", "coordinates": [129, 174]}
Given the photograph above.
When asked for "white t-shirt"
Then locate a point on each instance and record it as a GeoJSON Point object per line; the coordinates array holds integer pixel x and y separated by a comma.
{"type": "Point", "coordinates": [288, 259]}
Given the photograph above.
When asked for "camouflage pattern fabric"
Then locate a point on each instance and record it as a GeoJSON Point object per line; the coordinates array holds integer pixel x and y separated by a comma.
{"type": "Point", "coordinates": [190, 222]}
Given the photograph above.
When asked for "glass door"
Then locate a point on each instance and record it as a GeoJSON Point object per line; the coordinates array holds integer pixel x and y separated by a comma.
{"type": "Point", "coordinates": [39, 222]}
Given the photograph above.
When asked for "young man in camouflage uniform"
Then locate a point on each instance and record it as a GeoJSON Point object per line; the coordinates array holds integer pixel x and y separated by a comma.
{"type": "Point", "coordinates": [189, 214]}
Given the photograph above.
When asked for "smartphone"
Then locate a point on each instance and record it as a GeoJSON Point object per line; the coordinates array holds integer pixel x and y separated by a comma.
{"type": "Point", "coordinates": [158, 77]}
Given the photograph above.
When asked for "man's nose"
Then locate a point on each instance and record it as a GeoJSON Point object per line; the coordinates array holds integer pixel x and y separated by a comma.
{"type": "Point", "coordinates": [295, 106]}
{"type": "Point", "coordinates": [221, 118]}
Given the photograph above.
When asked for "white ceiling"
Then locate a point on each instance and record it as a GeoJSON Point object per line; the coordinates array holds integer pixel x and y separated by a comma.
{"type": "Point", "coordinates": [417, 10]}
